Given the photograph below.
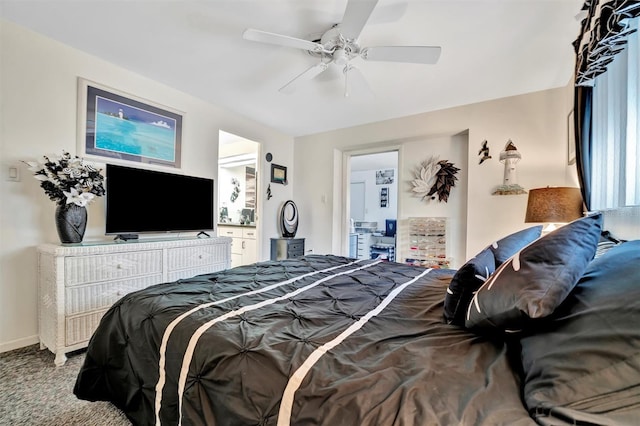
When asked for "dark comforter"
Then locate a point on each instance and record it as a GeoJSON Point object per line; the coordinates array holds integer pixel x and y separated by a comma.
{"type": "Point", "coordinates": [319, 340]}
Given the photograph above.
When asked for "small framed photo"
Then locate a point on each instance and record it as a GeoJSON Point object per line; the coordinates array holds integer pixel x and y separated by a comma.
{"type": "Point", "coordinates": [571, 140]}
{"type": "Point", "coordinates": [384, 197]}
{"type": "Point", "coordinates": [278, 174]}
{"type": "Point", "coordinates": [116, 127]}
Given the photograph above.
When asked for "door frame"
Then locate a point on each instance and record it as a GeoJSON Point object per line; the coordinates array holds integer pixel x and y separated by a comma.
{"type": "Point", "coordinates": [341, 237]}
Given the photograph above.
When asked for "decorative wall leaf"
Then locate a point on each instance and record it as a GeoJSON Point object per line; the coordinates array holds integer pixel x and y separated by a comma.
{"type": "Point", "coordinates": [439, 183]}
{"type": "Point", "coordinates": [425, 175]}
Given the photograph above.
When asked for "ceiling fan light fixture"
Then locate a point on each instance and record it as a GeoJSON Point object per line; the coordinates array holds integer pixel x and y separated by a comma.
{"type": "Point", "coordinates": [340, 57]}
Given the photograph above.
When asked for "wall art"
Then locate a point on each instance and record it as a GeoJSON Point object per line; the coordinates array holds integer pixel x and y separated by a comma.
{"type": "Point", "coordinates": [117, 127]}
{"type": "Point", "coordinates": [384, 177]}
{"type": "Point", "coordinates": [278, 174]}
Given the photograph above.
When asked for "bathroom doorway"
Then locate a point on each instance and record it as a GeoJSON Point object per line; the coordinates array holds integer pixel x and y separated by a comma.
{"type": "Point", "coordinates": [238, 214]}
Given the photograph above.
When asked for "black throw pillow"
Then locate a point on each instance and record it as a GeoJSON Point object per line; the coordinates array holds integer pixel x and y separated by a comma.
{"type": "Point", "coordinates": [532, 283]}
{"type": "Point", "coordinates": [506, 247]}
{"type": "Point", "coordinates": [465, 283]}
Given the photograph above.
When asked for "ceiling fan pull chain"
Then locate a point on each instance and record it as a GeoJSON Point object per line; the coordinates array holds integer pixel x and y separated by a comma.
{"type": "Point", "coordinates": [346, 80]}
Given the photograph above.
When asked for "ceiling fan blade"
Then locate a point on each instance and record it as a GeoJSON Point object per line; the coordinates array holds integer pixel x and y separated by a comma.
{"type": "Point", "coordinates": [411, 54]}
{"type": "Point", "coordinates": [355, 17]}
{"type": "Point", "coordinates": [306, 75]}
{"type": "Point", "coordinates": [281, 40]}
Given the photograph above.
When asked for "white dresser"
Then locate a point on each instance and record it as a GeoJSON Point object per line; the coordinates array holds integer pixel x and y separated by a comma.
{"type": "Point", "coordinates": [78, 283]}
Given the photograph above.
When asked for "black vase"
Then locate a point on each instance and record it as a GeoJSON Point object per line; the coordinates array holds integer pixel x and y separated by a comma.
{"type": "Point", "coordinates": [71, 222]}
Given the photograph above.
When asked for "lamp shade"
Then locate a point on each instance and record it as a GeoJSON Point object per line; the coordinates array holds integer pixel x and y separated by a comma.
{"type": "Point", "coordinates": [554, 205]}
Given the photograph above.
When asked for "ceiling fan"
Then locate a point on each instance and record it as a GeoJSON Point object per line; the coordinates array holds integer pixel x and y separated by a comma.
{"type": "Point", "coordinates": [339, 45]}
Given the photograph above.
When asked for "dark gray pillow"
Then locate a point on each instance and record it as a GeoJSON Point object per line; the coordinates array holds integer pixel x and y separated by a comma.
{"type": "Point", "coordinates": [466, 281]}
{"type": "Point", "coordinates": [506, 247]}
{"type": "Point", "coordinates": [585, 358]}
{"type": "Point", "coordinates": [532, 283]}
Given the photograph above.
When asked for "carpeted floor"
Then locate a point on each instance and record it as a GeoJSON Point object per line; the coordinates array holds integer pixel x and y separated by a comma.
{"type": "Point", "coordinates": [34, 392]}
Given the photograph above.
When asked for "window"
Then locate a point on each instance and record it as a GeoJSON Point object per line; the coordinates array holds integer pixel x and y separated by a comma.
{"type": "Point", "coordinates": [615, 178]}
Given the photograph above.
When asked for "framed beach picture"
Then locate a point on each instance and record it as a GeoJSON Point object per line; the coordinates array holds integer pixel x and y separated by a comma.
{"type": "Point", "coordinates": [278, 174]}
{"type": "Point", "coordinates": [117, 127]}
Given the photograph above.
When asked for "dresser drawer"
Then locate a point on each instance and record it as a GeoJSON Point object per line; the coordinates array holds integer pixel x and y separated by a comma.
{"type": "Point", "coordinates": [249, 233]}
{"type": "Point", "coordinates": [230, 231]}
{"type": "Point", "coordinates": [86, 298]}
{"type": "Point", "coordinates": [296, 246]}
{"type": "Point", "coordinates": [87, 269]}
{"type": "Point", "coordinates": [193, 257]}
{"type": "Point", "coordinates": [192, 272]}
{"type": "Point", "coordinates": [295, 254]}
{"type": "Point", "coordinates": [80, 328]}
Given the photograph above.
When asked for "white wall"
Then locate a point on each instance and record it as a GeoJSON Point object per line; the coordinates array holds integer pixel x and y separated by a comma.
{"type": "Point", "coordinates": [373, 212]}
{"type": "Point", "coordinates": [453, 149]}
{"type": "Point", "coordinates": [38, 92]}
{"type": "Point", "coordinates": [535, 122]}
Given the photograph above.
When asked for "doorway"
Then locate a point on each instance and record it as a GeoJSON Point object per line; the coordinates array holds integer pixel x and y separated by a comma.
{"type": "Point", "coordinates": [238, 206]}
{"type": "Point", "coordinates": [373, 204]}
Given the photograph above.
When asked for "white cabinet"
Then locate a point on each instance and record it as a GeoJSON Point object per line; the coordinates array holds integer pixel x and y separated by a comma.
{"type": "Point", "coordinates": [364, 243]}
{"type": "Point", "coordinates": [244, 247]}
{"type": "Point", "coordinates": [78, 283]}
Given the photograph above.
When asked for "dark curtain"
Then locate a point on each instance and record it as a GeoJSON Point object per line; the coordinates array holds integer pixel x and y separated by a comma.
{"type": "Point", "coordinates": [604, 33]}
{"type": "Point", "coordinates": [582, 122]}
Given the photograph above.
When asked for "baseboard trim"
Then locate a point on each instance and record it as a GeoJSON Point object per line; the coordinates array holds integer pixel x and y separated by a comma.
{"type": "Point", "coordinates": [19, 343]}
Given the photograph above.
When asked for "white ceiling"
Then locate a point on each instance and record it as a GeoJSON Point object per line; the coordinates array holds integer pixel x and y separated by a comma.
{"type": "Point", "coordinates": [490, 49]}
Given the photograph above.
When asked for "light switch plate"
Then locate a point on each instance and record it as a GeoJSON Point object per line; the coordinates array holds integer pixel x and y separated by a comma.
{"type": "Point", "coordinates": [13, 173]}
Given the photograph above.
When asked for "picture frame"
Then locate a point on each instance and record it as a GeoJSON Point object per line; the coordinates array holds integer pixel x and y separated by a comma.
{"type": "Point", "coordinates": [384, 197]}
{"type": "Point", "coordinates": [571, 140]}
{"type": "Point", "coordinates": [278, 174]}
{"type": "Point", "coordinates": [384, 177]}
{"type": "Point", "coordinates": [116, 127]}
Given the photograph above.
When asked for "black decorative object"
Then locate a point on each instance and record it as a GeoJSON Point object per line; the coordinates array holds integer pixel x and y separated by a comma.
{"type": "Point", "coordinates": [484, 151]}
{"type": "Point", "coordinates": [269, 195]}
{"type": "Point", "coordinates": [289, 219]}
{"type": "Point", "coordinates": [445, 180]}
{"type": "Point", "coordinates": [268, 157]}
{"type": "Point", "coordinates": [71, 222]}
{"type": "Point", "coordinates": [236, 189]}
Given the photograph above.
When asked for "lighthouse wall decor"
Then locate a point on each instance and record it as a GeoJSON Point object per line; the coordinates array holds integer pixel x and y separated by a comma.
{"type": "Point", "coordinates": [509, 157]}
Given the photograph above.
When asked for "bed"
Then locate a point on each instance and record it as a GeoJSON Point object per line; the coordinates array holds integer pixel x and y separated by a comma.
{"type": "Point", "coordinates": [331, 340]}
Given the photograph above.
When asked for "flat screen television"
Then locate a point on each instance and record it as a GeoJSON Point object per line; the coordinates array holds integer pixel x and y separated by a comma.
{"type": "Point", "coordinates": [148, 201]}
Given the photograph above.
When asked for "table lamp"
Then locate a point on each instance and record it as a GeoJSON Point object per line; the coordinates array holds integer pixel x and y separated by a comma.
{"type": "Point", "coordinates": [554, 205]}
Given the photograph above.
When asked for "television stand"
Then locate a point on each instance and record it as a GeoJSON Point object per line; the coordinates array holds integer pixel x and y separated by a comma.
{"type": "Point", "coordinates": [126, 237]}
{"type": "Point", "coordinates": [79, 283]}
{"type": "Point", "coordinates": [203, 234]}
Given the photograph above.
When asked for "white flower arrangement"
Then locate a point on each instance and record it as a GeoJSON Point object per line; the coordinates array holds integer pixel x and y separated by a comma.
{"type": "Point", "coordinates": [68, 180]}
